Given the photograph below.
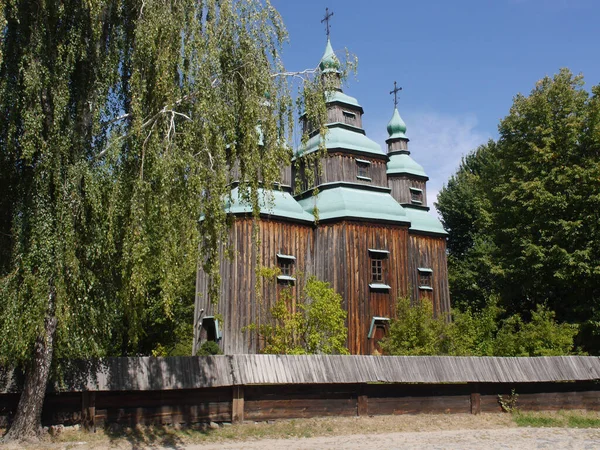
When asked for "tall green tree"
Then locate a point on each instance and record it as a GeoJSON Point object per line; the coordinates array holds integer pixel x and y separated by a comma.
{"type": "Point", "coordinates": [121, 119]}
{"type": "Point", "coordinates": [523, 212]}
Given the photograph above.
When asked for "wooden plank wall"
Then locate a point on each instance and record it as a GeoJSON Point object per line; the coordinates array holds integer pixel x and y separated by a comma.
{"type": "Point", "coordinates": [335, 114]}
{"type": "Point", "coordinates": [239, 304]}
{"type": "Point", "coordinates": [342, 258]}
{"type": "Point", "coordinates": [401, 184]}
{"type": "Point", "coordinates": [269, 402]}
{"type": "Point", "coordinates": [430, 252]}
{"type": "Point", "coordinates": [342, 167]}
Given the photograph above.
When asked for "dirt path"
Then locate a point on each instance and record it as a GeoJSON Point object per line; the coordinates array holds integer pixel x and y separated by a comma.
{"type": "Point", "coordinates": [508, 438]}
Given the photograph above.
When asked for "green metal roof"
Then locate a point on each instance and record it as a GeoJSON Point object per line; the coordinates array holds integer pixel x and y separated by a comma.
{"type": "Point", "coordinates": [337, 96]}
{"type": "Point", "coordinates": [329, 62]}
{"type": "Point", "coordinates": [396, 126]}
{"type": "Point", "coordinates": [400, 163]}
{"type": "Point", "coordinates": [344, 201]}
{"type": "Point", "coordinates": [341, 137]}
{"type": "Point", "coordinates": [272, 202]}
{"type": "Point", "coordinates": [424, 221]}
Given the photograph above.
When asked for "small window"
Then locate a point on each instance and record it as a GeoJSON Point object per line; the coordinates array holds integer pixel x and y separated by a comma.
{"type": "Point", "coordinates": [349, 117]}
{"type": "Point", "coordinates": [416, 196]}
{"type": "Point", "coordinates": [363, 169]}
{"type": "Point", "coordinates": [377, 269]}
{"type": "Point", "coordinates": [425, 275]}
{"type": "Point", "coordinates": [286, 266]}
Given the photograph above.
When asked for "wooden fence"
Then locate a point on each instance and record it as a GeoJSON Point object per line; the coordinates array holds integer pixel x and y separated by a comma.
{"type": "Point", "coordinates": [264, 387]}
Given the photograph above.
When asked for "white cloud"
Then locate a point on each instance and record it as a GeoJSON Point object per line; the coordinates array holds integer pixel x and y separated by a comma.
{"type": "Point", "coordinates": [438, 142]}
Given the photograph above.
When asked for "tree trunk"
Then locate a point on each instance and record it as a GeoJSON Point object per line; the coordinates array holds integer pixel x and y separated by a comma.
{"type": "Point", "coordinates": [27, 423]}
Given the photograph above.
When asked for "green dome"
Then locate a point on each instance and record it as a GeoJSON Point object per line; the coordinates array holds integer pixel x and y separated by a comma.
{"type": "Point", "coordinates": [329, 62]}
{"type": "Point", "coordinates": [396, 126]}
{"type": "Point", "coordinates": [401, 163]}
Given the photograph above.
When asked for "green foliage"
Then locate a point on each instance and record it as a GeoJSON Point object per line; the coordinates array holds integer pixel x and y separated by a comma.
{"type": "Point", "coordinates": [120, 122]}
{"type": "Point", "coordinates": [541, 336]}
{"type": "Point", "coordinates": [209, 348]}
{"type": "Point", "coordinates": [476, 333]}
{"type": "Point", "coordinates": [508, 403]}
{"type": "Point", "coordinates": [570, 419]}
{"type": "Point", "coordinates": [522, 211]}
{"type": "Point", "coordinates": [416, 331]}
{"type": "Point", "coordinates": [317, 326]}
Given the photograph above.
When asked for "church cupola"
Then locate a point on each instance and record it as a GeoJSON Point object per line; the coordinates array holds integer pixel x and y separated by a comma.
{"type": "Point", "coordinates": [396, 128]}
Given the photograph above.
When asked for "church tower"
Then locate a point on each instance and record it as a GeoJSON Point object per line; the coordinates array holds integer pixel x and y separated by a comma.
{"type": "Point", "coordinates": [428, 271]}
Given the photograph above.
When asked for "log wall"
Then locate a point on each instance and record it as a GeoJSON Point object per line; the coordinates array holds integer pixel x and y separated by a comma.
{"type": "Point", "coordinates": [270, 402]}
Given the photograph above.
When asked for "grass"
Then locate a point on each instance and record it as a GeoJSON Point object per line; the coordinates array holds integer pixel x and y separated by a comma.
{"type": "Point", "coordinates": [559, 419]}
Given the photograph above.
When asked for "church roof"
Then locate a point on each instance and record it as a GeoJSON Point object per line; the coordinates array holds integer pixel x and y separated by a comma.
{"type": "Point", "coordinates": [273, 203]}
{"type": "Point", "coordinates": [340, 136]}
{"type": "Point", "coordinates": [421, 220]}
{"type": "Point", "coordinates": [345, 201]}
{"type": "Point", "coordinates": [338, 96]}
{"type": "Point", "coordinates": [402, 163]}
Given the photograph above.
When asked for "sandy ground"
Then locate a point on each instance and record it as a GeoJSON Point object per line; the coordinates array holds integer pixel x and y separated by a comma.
{"type": "Point", "coordinates": [508, 438]}
{"type": "Point", "coordinates": [451, 431]}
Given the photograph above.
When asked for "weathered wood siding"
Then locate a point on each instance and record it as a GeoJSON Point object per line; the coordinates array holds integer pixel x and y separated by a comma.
{"type": "Point", "coordinates": [239, 305]}
{"type": "Point", "coordinates": [429, 252]}
{"type": "Point", "coordinates": [342, 258]}
{"type": "Point", "coordinates": [335, 114]}
{"type": "Point", "coordinates": [296, 401]}
{"type": "Point", "coordinates": [337, 166]}
{"type": "Point", "coordinates": [401, 184]}
{"type": "Point", "coordinates": [385, 399]}
{"type": "Point", "coordinates": [285, 174]}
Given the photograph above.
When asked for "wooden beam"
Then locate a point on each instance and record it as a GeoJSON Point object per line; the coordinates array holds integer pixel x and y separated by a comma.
{"type": "Point", "coordinates": [88, 410]}
{"type": "Point", "coordinates": [237, 406]}
{"type": "Point", "coordinates": [362, 402]}
{"type": "Point", "coordinates": [475, 398]}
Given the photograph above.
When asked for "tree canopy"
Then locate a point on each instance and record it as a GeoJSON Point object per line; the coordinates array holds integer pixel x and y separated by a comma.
{"type": "Point", "coordinates": [523, 211]}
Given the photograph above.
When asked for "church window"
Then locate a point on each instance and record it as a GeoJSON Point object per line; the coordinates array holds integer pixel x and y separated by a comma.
{"type": "Point", "coordinates": [286, 267]}
{"type": "Point", "coordinates": [377, 271]}
{"type": "Point", "coordinates": [363, 169]}
{"type": "Point", "coordinates": [378, 266]}
{"type": "Point", "coordinates": [425, 275]}
{"type": "Point", "coordinates": [416, 196]}
{"type": "Point", "coordinates": [349, 118]}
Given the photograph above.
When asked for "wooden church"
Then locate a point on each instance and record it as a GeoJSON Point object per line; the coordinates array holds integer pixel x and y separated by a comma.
{"type": "Point", "coordinates": [374, 239]}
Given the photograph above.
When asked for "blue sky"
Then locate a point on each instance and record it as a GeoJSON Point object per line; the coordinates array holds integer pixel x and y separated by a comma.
{"type": "Point", "coordinates": [460, 62]}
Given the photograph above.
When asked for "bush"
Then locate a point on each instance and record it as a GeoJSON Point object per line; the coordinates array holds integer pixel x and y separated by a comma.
{"type": "Point", "coordinates": [209, 348]}
{"type": "Point", "coordinates": [317, 327]}
{"type": "Point", "coordinates": [481, 333]}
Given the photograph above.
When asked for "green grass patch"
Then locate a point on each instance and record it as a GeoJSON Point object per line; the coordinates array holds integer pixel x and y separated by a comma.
{"type": "Point", "coordinates": [561, 419]}
{"type": "Point", "coordinates": [529, 420]}
{"type": "Point", "coordinates": [584, 422]}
